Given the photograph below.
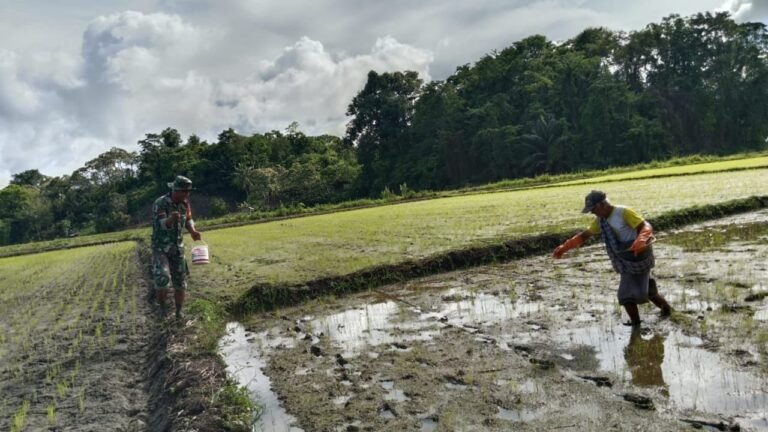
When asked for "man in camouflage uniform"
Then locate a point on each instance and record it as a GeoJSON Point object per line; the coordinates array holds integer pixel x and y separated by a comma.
{"type": "Point", "coordinates": [170, 214]}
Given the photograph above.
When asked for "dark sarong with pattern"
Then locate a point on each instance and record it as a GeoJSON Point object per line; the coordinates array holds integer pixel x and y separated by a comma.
{"type": "Point", "coordinates": [624, 261]}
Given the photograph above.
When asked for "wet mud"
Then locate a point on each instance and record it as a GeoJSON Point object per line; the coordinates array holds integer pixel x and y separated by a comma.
{"type": "Point", "coordinates": [532, 344]}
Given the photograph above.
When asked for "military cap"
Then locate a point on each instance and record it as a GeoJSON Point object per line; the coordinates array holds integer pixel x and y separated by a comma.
{"type": "Point", "coordinates": [181, 183]}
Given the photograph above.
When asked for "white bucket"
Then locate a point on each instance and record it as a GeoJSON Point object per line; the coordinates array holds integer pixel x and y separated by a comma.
{"type": "Point", "coordinates": [200, 254]}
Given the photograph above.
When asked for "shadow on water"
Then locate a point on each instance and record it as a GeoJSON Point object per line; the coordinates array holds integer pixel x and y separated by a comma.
{"type": "Point", "coordinates": [679, 368]}
{"type": "Point", "coordinates": [245, 361]}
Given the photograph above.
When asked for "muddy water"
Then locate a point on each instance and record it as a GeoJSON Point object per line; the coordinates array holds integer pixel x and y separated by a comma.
{"type": "Point", "coordinates": [529, 345]}
{"type": "Point", "coordinates": [242, 352]}
{"type": "Point", "coordinates": [678, 367]}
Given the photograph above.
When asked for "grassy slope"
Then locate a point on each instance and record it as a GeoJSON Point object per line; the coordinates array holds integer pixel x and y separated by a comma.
{"type": "Point", "coordinates": [302, 249]}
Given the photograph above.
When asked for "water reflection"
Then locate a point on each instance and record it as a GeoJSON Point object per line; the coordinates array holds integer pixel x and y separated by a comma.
{"type": "Point", "coordinates": [389, 322]}
{"type": "Point", "coordinates": [644, 357]}
{"type": "Point", "coordinates": [245, 362]}
{"type": "Point", "coordinates": [370, 325]}
{"type": "Point", "coordinates": [678, 366]}
{"type": "Point", "coordinates": [485, 309]}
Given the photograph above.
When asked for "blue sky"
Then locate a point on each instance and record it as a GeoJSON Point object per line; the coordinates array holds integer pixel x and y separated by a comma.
{"type": "Point", "coordinates": [79, 77]}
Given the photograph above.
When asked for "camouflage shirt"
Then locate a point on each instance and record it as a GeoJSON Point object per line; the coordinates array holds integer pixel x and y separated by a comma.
{"type": "Point", "coordinates": [164, 238]}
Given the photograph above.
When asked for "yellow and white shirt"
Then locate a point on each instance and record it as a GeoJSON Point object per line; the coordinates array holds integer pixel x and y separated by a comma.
{"type": "Point", "coordinates": [624, 222]}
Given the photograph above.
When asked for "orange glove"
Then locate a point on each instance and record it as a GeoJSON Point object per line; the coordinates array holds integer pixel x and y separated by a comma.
{"type": "Point", "coordinates": [569, 244]}
{"type": "Point", "coordinates": [644, 238]}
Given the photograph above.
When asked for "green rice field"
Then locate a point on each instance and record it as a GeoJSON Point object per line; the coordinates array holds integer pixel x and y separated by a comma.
{"type": "Point", "coordinates": [728, 165]}
{"type": "Point", "coordinates": [75, 325]}
{"type": "Point", "coordinates": [70, 325]}
{"type": "Point", "coordinates": [303, 249]}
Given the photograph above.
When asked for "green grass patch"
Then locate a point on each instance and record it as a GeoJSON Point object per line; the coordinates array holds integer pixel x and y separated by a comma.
{"type": "Point", "coordinates": [238, 410]}
{"type": "Point", "coordinates": [209, 321]}
{"type": "Point", "coordinates": [135, 234]}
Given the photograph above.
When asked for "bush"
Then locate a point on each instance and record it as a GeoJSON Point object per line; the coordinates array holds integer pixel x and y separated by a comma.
{"type": "Point", "coordinates": [387, 194]}
{"type": "Point", "coordinates": [219, 207]}
{"type": "Point", "coordinates": [112, 222]}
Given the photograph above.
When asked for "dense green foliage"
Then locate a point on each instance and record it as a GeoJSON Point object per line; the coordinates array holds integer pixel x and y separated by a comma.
{"type": "Point", "coordinates": [696, 85]}
{"type": "Point", "coordinates": [117, 188]}
{"type": "Point", "coordinates": [601, 99]}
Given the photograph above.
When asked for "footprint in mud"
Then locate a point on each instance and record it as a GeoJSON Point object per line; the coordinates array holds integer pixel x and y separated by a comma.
{"type": "Point", "coordinates": [640, 401]}
{"type": "Point", "coordinates": [542, 363]}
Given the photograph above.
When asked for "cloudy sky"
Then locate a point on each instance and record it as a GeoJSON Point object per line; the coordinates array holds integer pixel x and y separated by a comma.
{"type": "Point", "coordinates": [80, 76]}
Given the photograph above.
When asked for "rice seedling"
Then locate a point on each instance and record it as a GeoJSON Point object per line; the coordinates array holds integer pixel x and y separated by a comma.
{"type": "Point", "coordinates": [20, 417]}
{"type": "Point", "coordinates": [81, 400]}
{"type": "Point", "coordinates": [57, 307]}
{"type": "Point", "coordinates": [51, 410]}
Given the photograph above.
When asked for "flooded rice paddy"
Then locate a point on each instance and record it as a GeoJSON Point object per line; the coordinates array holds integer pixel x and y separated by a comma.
{"type": "Point", "coordinates": [533, 344]}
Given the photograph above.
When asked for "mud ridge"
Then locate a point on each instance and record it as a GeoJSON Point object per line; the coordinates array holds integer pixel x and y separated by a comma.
{"type": "Point", "coordinates": [679, 218]}
{"type": "Point", "coordinates": [262, 297]}
{"type": "Point", "coordinates": [66, 247]}
{"type": "Point", "coordinates": [180, 383]}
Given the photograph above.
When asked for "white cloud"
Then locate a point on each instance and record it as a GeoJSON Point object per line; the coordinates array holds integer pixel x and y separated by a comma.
{"type": "Point", "coordinates": [747, 10]}
{"type": "Point", "coordinates": [307, 84]}
{"type": "Point", "coordinates": [84, 76]}
{"type": "Point", "coordinates": [140, 73]}
{"type": "Point", "coordinates": [127, 49]}
{"type": "Point", "coordinates": [17, 97]}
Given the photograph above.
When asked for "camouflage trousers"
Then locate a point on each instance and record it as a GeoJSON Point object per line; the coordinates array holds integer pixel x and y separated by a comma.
{"type": "Point", "coordinates": [169, 267]}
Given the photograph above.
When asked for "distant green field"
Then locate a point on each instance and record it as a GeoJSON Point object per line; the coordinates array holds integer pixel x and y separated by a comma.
{"type": "Point", "coordinates": [728, 164]}
{"type": "Point", "coordinates": [306, 248]}
{"type": "Point", "coordinates": [72, 242]}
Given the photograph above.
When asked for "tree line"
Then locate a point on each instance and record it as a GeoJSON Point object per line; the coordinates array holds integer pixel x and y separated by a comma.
{"type": "Point", "coordinates": [685, 85]}
{"type": "Point", "coordinates": [604, 98]}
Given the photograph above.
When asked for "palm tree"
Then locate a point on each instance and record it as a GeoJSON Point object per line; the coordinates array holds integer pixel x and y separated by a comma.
{"type": "Point", "coordinates": [544, 147]}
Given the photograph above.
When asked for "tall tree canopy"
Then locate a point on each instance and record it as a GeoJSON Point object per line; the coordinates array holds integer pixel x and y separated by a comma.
{"type": "Point", "coordinates": [682, 86]}
{"type": "Point", "coordinates": [685, 85]}
{"type": "Point", "coordinates": [382, 113]}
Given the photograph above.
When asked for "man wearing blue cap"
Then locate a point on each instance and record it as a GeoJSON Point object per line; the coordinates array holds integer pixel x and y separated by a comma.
{"type": "Point", "coordinates": [627, 237]}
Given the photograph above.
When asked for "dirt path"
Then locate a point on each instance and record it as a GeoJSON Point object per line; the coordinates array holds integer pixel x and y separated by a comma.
{"type": "Point", "coordinates": [534, 345]}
